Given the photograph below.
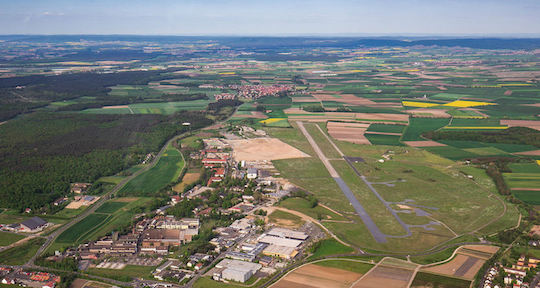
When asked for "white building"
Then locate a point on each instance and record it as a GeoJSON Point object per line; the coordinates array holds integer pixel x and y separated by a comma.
{"type": "Point", "coordinates": [235, 270]}
{"type": "Point", "coordinates": [252, 173]}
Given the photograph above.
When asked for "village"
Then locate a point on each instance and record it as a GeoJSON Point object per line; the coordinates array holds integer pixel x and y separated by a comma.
{"type": "Point", "coordinates": [523, 273]}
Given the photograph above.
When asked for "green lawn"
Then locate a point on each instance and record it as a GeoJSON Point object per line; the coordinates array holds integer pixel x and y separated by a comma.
{"type": "Point", "coordinates": [8, 238]}
{"type": "Point", "coordinates": [20, 254]}
{"type": "Point", "coordinates": [158, 177]}
{"type": "Point", "coordinates": [127, 274]}
{"type": "Point", "coordinates": [317, 212]}
{"type": "Point", "coordinates": [330, 247]}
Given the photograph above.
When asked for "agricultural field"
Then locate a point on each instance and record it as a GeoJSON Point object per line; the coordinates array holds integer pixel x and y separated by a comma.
{"type": "Point", "coordinates": [166, 171]}
{"type": "Point", "coordinates": [113, 214]}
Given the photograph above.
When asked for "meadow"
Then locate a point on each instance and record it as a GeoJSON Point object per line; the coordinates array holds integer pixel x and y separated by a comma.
{"type": "Point", "coordinates": [166, 171]}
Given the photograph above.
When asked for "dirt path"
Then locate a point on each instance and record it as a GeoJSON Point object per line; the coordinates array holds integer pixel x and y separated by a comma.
{"type": "Point", "coordinates": [328, 208]}
{"type": "Point", "coordinates": [20, 242]}
{"type": "Point", "coordinates": [305, 217]}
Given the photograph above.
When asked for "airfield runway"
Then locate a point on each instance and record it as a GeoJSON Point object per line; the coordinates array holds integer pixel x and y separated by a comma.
{"type": "Point", "coordinates": [372, 227]}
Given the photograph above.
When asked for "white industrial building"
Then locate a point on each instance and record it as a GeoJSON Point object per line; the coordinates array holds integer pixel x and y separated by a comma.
{"type": "Point", "coordinates": [252, 173]}
{"type": "Point", "coordinates": [273, 240]}
{"type": "Point", "coordinates": [235, 270]}
{"type": "Point", "coordinates": [287, 233]}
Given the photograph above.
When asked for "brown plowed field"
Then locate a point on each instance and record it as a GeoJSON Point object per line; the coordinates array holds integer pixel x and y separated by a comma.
{"type": "Point", "coordinates": [532, 153]}
{"type": "Point", "coordinates": [435, 113]}
{"type": "Point", "coordinates": [522, 123]}
{"type": "Point", "coordinates": [350, 132]}
{"type": "Point", "coordinates": [466, 263]}
{"type": "Point", "coordinates": [315, 276]}
{"type": "Point", "coordinates": [382, 276]}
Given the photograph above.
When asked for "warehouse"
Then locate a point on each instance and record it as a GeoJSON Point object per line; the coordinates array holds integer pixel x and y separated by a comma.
{"type": "Point", "coordinates": [273, 240]}
{"type": "Point", "coordinates": [235, 270]}
{"type": "Point", "coordinates": [287, 233]}
{"type": "Point", "coordinates": [280, 251]}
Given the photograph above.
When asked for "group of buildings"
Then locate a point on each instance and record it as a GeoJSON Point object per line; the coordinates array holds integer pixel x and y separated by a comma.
{"type": "Point", "coordinates": [247, 250]}
{"type": "Point", "coordinates": [514, 276]}
{"type": "Point", "coordinates": [28, 279]}
{"type": "Point", "coordinates": [149, 236]}
{"type": "Point", "coordinates": [31, 225]}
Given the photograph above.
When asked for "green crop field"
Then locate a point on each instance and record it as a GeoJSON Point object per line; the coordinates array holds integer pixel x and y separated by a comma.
{"type": "Point", "coordinates": [381, 139]}
{"type": "Point", "coordinates": [110, 207]}
{"type": "Point", "coordinates": [166, 108]}
{"type": "Point", "coordinates": [417, 126]}
{"type": "Point", "coordinates": [386, 128]}
{"type": "Point", "coordinates": [84, 227]}
{"type": "Point", "coordinates": [162, 174]}
{"type": "Point", "coordinates": [423, 279]}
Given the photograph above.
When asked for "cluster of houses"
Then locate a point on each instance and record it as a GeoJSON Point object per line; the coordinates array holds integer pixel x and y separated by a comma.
{"type": "Point", "coordinates": [514, 275]}
{"type": "Point", "coordinates": [149, 236]}
{"type": "Point", "coordinates": [259, 91]}
{"type": "Point", "coordinates": [28, 279]}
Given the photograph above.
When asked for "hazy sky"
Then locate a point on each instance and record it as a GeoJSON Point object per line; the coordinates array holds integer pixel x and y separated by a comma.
{"type": "Point", "coordinates": [263, 17]}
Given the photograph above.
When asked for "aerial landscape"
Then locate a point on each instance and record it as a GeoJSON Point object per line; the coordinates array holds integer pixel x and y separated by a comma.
{"type": "Point", "coordinates": [202, 158]}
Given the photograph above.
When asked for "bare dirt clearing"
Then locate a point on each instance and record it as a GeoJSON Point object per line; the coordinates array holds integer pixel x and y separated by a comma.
{"type": "Point", "coordinates": [350, 132]}
{"type": "Point", "coordinates": [383, 276]}
{"type": "Point", "coordinates": [263, 149]}
{"type": "Point", "coordinates": [435, 113]}
{"type": "Point", "coordinates": [522, 123]}
{"type": "Point", "coordinates": [316, 276]}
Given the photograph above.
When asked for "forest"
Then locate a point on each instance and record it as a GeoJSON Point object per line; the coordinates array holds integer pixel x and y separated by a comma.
{"type": "Point", "coordinates": [42, 153]}
{"type": "Point", "coordinates": [512, 135]}
{"type": "Point", "coordinates": [22, 94]}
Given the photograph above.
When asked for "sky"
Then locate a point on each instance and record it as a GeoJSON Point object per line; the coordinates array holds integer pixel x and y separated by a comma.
{"type": "Point", "coordinates": [276, 17]}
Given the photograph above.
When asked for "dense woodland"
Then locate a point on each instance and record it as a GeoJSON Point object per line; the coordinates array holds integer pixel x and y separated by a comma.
{"type": "Point", "coordinates": [22, 94]}
{"type": "Point", "coordinates": [42, 153]}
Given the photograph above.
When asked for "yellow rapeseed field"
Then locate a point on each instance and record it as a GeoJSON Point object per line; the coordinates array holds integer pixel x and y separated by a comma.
{"type": "Point", "coordinates": [418, 104]}
{"type": "Point", "coordinates": [271, 120]}
{"type": "Point", "coordinates": [227, 73]}
{"type": "Point", "coordinates": [465, 104]}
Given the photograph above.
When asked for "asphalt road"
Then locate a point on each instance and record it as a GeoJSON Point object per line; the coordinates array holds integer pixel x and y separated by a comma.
{"type": "Point", "coordinates": [372, 227]}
